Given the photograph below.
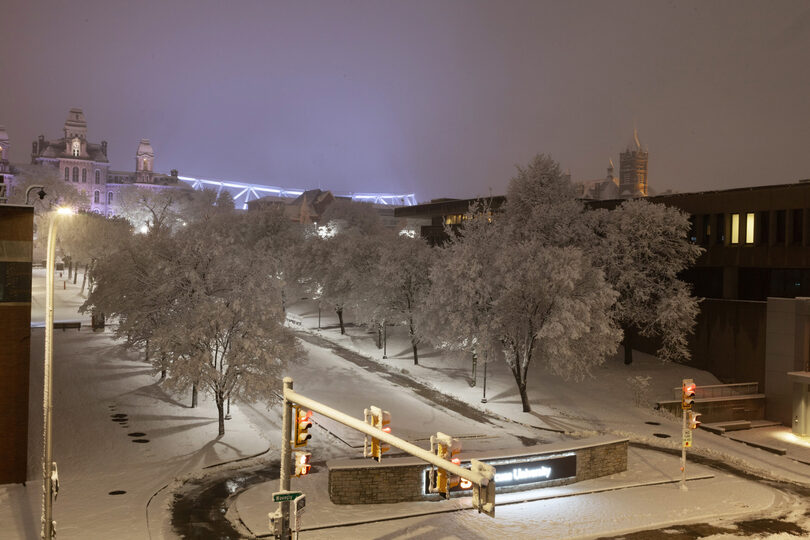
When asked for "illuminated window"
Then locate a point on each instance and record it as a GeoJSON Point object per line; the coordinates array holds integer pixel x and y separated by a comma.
{"type": "Point", "coordinates": [453, 219]}
{"type": "Point", "coordinates": [84, 176]}
{"type": "Point", "coordinates": [98, 176]}
{"type": "Point", "coordinates": [96, 195]}
{"type": "Point", "coordinates": [749, 228]}
{"type": "Point", "coordinates": [735, 228]}
{"type": "Point", "coordinates": [76, 148]}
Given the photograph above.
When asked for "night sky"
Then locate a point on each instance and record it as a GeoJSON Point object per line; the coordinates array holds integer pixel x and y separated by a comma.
{"type": "Point", "coordinates": [439, 98]}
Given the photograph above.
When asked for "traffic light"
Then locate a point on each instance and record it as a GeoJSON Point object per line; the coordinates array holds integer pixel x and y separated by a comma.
{"type": "Point", "coordinates": [302, 423]}
{"type": "Point", "coordinates": [483, 497]}
{"type": "Point", "coordinates": [688, 393]}
{"type": "Point", "coordinates": [302, 465]}
{"type": "Point", "coordinates": [692, 420]}
{"type": "Point", "coordinates": [381, 420]}
{"type": "Point", "coordinates": [445, 447]}
{"type": "Point", "coordinates": [454, 449]}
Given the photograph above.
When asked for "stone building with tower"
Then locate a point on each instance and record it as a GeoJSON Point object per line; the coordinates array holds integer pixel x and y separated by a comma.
{"type": "Point", "coordinates": [6, 173]}
{"type": "Point", "coordinates": [632, 180]}
{"type": "Point", "coordinates": [85, 164]}
{"type": "Point", "coordinates": [633, 170]}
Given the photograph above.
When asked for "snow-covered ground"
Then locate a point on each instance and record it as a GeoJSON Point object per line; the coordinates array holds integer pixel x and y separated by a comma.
{"type": "Point", "coordinates": [94, 380]}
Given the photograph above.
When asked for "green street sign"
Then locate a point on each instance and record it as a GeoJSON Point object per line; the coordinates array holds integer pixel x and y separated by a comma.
{"type": "Point", "coordinates": [281, 496]}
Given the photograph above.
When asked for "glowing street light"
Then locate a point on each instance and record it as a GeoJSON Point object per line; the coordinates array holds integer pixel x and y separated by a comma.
{"type": "Point", "coordinates": [49, 474]}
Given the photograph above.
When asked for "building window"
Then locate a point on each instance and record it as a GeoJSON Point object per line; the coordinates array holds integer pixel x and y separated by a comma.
{"type": "Point", "coordinates": [692, 230]}
{"type": "Point", "coordinates": [707, 229]}
{"type": "Point", "coordinates": [720, 225]}
{"type": "Point", "coordinates": [84, 176]}
{"type": "Point", "coordinates": [749, 227]}
{"type": "Point", "coordinates": [780, 227]}
{"type": "Point", "coordinates": [67, 174]}
{"type": "Point", "coordinates": [75, 174]}
{"type": "Point", "coordinates": [453, 219]}
{"type": "Point", "coordinates": [764, 227]}
{"type": "Point", "coordinates": [735, 228]}
{"type": "Point", "coordinates": [96, 195]}
{"type": "Point", "coordinates": [98, 176]}
{"type": "Point", "coordinates": [76, 148]}
{"type": "Point", "coordinates": [109, 197]}
{"type": "Point", "coordinates": [798, 226]}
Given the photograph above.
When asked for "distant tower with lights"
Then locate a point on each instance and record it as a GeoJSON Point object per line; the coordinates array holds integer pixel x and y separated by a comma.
{"type": "Point", "coordinates": [633, 170]}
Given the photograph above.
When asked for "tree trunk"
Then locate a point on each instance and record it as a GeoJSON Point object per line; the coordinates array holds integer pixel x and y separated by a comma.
{"type": "Point", "coordinates": [379, 336]}
{"type": "Point", "coordinates": [524, 398]}
{"type": "Point", "coordinates": [146, 352]}
{"type": "Point", "coordinates": [339, 312]}
{"type": "Point", "coordinates": [412, 333]}
{"type": "Point", "coordinates": [70, 269]}
{"type": "Point", "coordinates": [627, 343]}
{"type": "Point", "coordinates": [84, 279]}
{"type": "Point", "coordinates": [283, 301]}
{"type": "Point", "coordinates": [193, 396]}
{"type": "Point", "coordinates": [75, 273]}
{"type": "Point", "coordinates": [221, 413]}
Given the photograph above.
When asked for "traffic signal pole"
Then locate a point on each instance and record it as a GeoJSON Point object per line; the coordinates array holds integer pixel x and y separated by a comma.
{"type": "Point", "coordinates": [286, 454]}
{"type": "Point", "coordinates": [291, 397]}
{"type": "Point", "coordinates": [683, 453]}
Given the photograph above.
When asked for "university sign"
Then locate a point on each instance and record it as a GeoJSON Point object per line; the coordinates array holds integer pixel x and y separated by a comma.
{"type": "Point", "coordinates": [525, 470]}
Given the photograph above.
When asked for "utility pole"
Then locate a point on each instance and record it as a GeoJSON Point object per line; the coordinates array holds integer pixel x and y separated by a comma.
{"type": "Point", "coordinates": [286, 452]}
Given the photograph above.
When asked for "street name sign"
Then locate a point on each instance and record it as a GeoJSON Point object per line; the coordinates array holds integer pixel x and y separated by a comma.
{"type": "Point", "coordinates": [281, 496]}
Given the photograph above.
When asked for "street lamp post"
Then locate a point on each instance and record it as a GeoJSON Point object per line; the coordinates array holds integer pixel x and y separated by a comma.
{"type": "Point", "coordinates": [49, 478]}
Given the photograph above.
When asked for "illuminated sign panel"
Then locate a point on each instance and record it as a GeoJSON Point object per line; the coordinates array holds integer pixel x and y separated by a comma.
{"type": "Point", "coordinates": [522, 470]}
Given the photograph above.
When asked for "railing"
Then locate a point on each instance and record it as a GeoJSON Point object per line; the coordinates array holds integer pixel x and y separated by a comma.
{"type": "Point", "coordinates": [721, 390]}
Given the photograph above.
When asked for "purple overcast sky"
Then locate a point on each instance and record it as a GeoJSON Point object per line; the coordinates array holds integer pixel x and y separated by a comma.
{"type": "Point", "coordinates": [438, 98]}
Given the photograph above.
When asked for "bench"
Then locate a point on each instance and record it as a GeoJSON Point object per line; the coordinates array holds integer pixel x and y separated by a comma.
{"type": "Point", "coordinates": [64, 325]}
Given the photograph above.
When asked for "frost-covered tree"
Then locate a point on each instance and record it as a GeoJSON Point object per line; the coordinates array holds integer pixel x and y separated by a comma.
{"type": "Point", "coordinates": [154, 208]}
{"type": "Point", "coordinates": [87, 237]}
{"type": "Point", "coordinates": [524, 284]}
{"type": "Point", "coordinates": [459, 306]}
{"type": "Point", "coordinates": [553, 305]}
{"type": "Point", "coordinates": [58, 192]}
{"type": "Point", "coordinates": [224, 327]}
{"type": "Point", "coordinates": [400, 280]}
{"type": "Point", "coordinates": [204, 304]}
{"type": "Point", "coordinates": [642, 247]}
{"type": "Point", "coordinates": [339, 255]}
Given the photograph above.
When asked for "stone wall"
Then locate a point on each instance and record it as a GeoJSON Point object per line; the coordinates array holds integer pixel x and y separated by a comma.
{"type": "Point", "coordinates": [364, 481]}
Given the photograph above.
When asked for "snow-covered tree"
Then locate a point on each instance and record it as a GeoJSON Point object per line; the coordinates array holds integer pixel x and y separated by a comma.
{"type": "Point", "coordinates": [57, 191]}
{"type": "Point", "coordinates": [155, 209]}
{"type": "Point", "coordinates": [554, 305]}
{"type": "Point", "coordinates": [400, 280]}
{"type": "Point", "coordinates": [519, 280]}
{"type": "Point", "coordinates": [87, 237]}
{"type": "Point", "coordinates": [205, 305]}
{"type": "Point", "coordinates": [338, 256]}
{"type": "Point", "coordinates": [459, 306]}
{"type": "Point", "coordinates": [642, 247]}
{"type": "Point", "coordinates": [224, 328]}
